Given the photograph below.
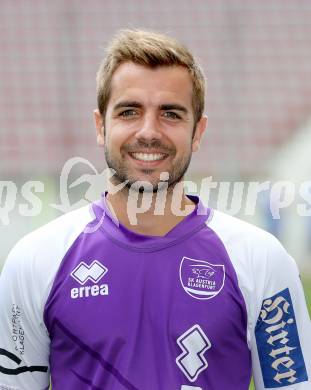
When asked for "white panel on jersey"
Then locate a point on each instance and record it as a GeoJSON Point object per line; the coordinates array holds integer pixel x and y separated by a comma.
{"type": "Point", "coordinates": [4, 387]}
{"type": "Point", "coordinates": [265, 271]}
{"type": "Point", "coordinates": [25, 284]}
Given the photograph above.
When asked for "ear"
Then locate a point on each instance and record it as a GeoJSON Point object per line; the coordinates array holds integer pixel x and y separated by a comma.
{"type": "Point", "coordinates": [199, 130]}
{"type": "Point", "coordinates": [99, 124]}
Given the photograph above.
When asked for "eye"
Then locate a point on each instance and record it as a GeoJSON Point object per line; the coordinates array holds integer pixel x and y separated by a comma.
{"type": "Point", "coordinates": [127, 113]}
{"type": "Point", "coordinates": [171, 115]}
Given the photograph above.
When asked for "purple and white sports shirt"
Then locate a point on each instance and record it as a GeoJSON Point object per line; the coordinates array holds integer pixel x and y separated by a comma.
{"type": "Point", "coordinates": [92, 305]}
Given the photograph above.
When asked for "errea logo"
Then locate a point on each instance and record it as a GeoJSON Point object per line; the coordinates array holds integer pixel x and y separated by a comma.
{"type": "Point", "coordinates": [84, 273]}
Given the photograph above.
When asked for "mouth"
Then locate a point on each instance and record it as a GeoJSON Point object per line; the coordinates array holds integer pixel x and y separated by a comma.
{"type": "Point", "coordinates": [148, 157]}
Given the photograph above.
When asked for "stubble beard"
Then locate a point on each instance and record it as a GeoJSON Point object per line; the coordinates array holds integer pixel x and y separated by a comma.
{"type": "Point", "coordinates": [122, 175]}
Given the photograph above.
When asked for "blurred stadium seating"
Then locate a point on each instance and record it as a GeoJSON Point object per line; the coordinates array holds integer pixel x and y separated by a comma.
{"type": "Point", "coordinates": [256, 55]}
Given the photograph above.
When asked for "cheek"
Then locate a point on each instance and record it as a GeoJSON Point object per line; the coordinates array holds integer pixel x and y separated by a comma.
{"type": "Point", "coordinates": [183, 143]}
{"type": "Point", "coordinates": [116, 139]}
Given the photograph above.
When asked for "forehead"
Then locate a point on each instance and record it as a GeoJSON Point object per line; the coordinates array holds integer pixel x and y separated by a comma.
{"type": "Point", "coordinates": [162, 84]}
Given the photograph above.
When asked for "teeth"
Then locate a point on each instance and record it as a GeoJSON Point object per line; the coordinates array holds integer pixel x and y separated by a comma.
{"type": "Point", "coordinates": [148, 156]}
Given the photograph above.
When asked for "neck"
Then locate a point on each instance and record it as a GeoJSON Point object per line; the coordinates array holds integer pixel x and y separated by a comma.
{"type": "Point", "coordinates": [153, 214]}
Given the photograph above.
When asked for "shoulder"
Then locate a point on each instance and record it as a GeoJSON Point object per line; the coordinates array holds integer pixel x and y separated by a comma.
{"type": "Point", "coordinates": [57, 234]}
{"type": "Point", "coordinates": [241, 238]}
{"type": "Point", "coordinates": [34, 261]}
{"type": "Point", "coordinates": [232, 228]}
{"type": "Point", "coordinates": [262, 265]}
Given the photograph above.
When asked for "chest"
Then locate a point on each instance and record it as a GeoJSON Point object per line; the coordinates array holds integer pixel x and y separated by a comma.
{"type": "Point", "coordinates": [120, 294]}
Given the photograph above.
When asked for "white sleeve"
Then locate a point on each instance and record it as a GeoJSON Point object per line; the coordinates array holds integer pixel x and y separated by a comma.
{"type": "Point", "coordinates": [25, 283]}
{"type": "Point", "coordinates": [279, 327]}
{"type": "Point", "coordinates": [281, 342]}
{"type": "Point", "coordinates": [24, 342]}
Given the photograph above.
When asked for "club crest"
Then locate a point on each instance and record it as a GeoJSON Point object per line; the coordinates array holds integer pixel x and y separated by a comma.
{"type": "Point", "coordinates": [201, 279]}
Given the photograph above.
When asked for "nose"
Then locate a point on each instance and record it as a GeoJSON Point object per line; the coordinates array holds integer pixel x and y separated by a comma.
{"type": "Point", "coordinates": [150, 128]}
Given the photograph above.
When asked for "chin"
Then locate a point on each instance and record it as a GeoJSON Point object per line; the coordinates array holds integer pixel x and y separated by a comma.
{"type": "Point", "coordinates": [143, 185]}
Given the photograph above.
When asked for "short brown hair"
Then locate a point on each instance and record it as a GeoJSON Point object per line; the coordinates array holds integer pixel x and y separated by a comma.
{"type": "Point", "coordinates": [149, 49]}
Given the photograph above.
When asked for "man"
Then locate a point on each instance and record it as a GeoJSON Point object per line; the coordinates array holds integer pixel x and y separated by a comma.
{"type": "Point", "coordinates": [181, 298]}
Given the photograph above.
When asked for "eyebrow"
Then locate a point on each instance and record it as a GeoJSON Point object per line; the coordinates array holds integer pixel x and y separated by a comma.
{"type": "Point", "coordinates": [163, 107]}
{"type": "Point", "coordinates": [177, 107]}
{"type": "Point", "coordinates": [127, 103]}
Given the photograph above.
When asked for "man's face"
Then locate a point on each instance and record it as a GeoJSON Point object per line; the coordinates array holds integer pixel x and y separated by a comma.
{"type": "Point", "coordinates": [149, 124]}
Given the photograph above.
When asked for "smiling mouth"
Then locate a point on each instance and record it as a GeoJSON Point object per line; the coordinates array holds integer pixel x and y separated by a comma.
{"type": "Point", "coordinates": [148, 156]}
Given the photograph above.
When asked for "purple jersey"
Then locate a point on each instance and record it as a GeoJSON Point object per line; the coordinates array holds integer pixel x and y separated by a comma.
{"type": "Point", "coordinates": [102, 307]}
